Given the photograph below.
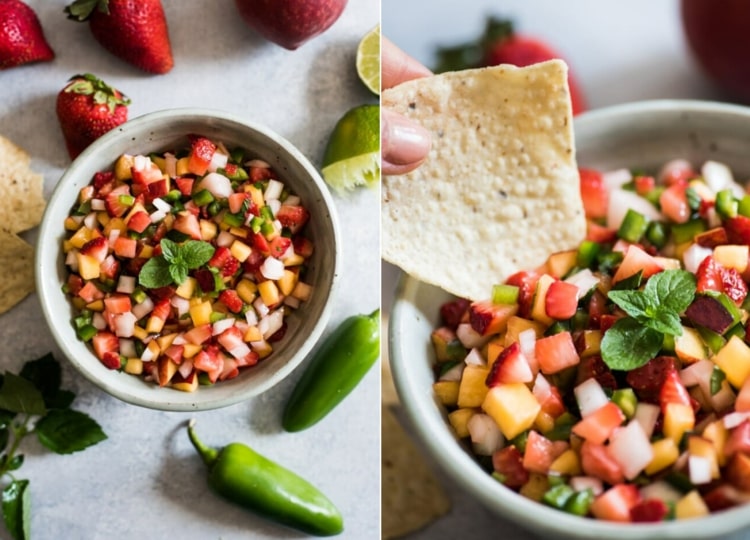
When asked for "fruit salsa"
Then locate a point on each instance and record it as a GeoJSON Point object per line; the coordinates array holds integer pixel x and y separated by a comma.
{"type": "Point", "coordinates": [614, 381]}
{"type": "Point", "coordinates": [183, 265]}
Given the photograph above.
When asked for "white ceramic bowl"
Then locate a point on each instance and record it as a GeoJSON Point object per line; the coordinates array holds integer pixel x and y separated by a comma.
{"type": "Point", "coordinates": [639, 135]}
{"type": "Point", "coordinates": [160, 131]}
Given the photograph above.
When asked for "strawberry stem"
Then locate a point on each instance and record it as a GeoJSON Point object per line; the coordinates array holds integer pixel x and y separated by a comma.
{"type": "Point", "coordinates": [471, 54]}
{"type": "Point", "coordinates": [91, 85]}
{"type": "Point", "coordinates": [81, 10]}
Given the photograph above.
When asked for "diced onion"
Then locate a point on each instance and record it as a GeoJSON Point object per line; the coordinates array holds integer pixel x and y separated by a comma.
{"type": "Point", "coordinates": [486, 437]}
{"type": "Point", "coordinates": [469, 337]}
{"type": "Point", "coordinates": [585, 280]}
{"type": "Point", "coordinates": [274, 205]}
{"type": "Point", "coordinates": [474, 358]}
{"type": "Point", "coordinates": [582, 483]}
{"type": "Point", "coordinates": [717, 175]}
{"type": "Point", "coordinates": [272, 268]}
{"type": "Point", "coordinates": [217, 184]}
{"type": "Point", "coordinates": [124, 324]}
{"type": "Point", "coordinates": [90, 221]}
{"type": "Point", "coordinates": [240, 351]}
{"type": "Point", "coordinates": [621, 200]}
{"type": "Point", "coordinates": [127, 348]}
{"type": "Point", "coordinates": [454, 373]}
{"type": "Point", "coordinates": [616, 178]}
{"type": "Point", "coordinates": [218, 161]}
{"type": "Point", "coordinates": [693, 257]}
{"type": "Point", "coordinates": [126, 284]}
{"type": "Point", "coordinates": [647, 414]}
{"type": "Point", "coordinates": [273, 190]}
{"type": "Point", "coordinates": [186, 367]}
{"type": "Point", "coordinates": [221, 325]}
{"type": "Point", "coordinates": [700, 470]}
{"type": "Point", "coordinates": [261, 308]}
{"type": "Point", "coordinates": [144, 308]}
{"type": "Point", "coordinates": [631, 449]}
{"type": "Point", "coordinates": [258, 163]}
{"type": "Point", "coordinates": [271, 323]}
{"type": "Point", "coordinates": [98, 205]}
{"type": "Point", "coordinates": [157, 216]}
{"type": "Point", "coordinates": [98, 321]}
{"type": "Point", "coordinates": [590, 396]}
{"type": "Point", "coordinates": [251, 317]}
{"type": "Point", "coordinates": [162, 205]}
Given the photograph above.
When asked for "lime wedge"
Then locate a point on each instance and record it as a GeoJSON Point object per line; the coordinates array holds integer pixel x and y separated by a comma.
{"type": "Point", "coordinates": [368, 60]}
{"type": "Point", "coordinates": [352, 155]}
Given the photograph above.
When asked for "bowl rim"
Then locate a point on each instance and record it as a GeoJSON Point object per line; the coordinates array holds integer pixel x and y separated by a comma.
{"type": "Point", "coordinates": [201, 399]}
{"type": "Point", "coordinates": [422, 411]}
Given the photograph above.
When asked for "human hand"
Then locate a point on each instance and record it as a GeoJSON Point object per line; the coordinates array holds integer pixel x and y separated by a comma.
{"type": "Point", "coordinates": [403, 144]}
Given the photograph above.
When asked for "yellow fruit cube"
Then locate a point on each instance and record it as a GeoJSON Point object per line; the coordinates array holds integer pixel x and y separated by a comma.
{"type": "Point", "coordinates": [191, 385]}
{"type": "Point", "coordinates": [200, 313]}
{"type": "Point", "coordinates": [472, 389]}
{"type": "Point", "coordinates": [665, 453]}
{"type": "Point", "coordinates": [146, 252]}
{"type": "Point", "coordinates": [702, 447]}
{"type": "Point", "coordinates": [293, 260]}
{"type": "Point", "coordinates": [140, 333]}
{"type": "Point", "coordinates": [191, 349]}
{"type": "Point", "coordinates": [717, 433]}
{"type": "Point", "coordinates": [678, 419]}
{"type": "Point", "coordinates": [539, 304]}
{"type": "Point", "coordinates": [459, 420]}
{"type": "Point", "coordinates": [513, 407]}
{"type": "Point", "coordinates": [252, 333]}
{"type": "Point", "coordinates": [262, 347]}
{"type": "Point", "coordinates": [734, 361]}
{"type": "Point", "coordinates": [568, 464]}
{"type": "Point", "coordinates": [165, 341]}
{"type": "Point", "coordinates": [154, 325]}
{"type": "Point", "coordinates": [123, 167]}
{"type": "Point", "coordinates": [732, 256]}
{"type": "Point", "coordinates": [187, 288]}
{"type": "Point", "coordinates": [209, 230]}
{"type": "Point", "coordinates": [544, 422]}
{"type": "Point", "coordinates": [240, 250]}
{"type": "Point", "coordinates": [517, 324]}
{"type": "Point", "coordinates": [134, 366]}
{"type": "Point", "coordinates": [247, 290]}
{"type": "Point", "coordinates": [256, 195]}
{"type": "Point", "coordinates": [288, 282]}
{"type": "Point", "coordinates": [591, 343]}
{"type": "Point", "coordinates": [302, 291]}
{"type": "Point", "coordinates": [269, 292]}
{"type": "Point", "coordinates": [536, 486]}
{"type": "Point", "coordinates": [88, 266]}
{"type": "Point", "coordinates": [183, 166]}
{"type": "Point", "coordinates": [562, 262]}
{"type": "Point", "coordinates": [690, 347]}
{"type": "Point", "coordinates": [690, 506]}
{"type": "Point", "coordinates": [446, 392]}
{"type": "Point", "coordinates": [81, 236]}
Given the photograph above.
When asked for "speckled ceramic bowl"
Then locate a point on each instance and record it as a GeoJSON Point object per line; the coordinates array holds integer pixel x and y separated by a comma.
{"type": "Point", "coordinates": [641, 135]}
{"type": "Point", "coordinates": [160, 131]}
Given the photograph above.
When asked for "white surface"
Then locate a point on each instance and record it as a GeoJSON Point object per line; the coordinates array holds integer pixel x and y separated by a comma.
{"type": "Point", "coordinates": [619, 52]}
{"type": "Point", "coordinates": [145, 481]}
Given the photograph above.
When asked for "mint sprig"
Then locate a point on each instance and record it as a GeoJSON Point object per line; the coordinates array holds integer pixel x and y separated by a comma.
{"type": "Point", "coordinates": [33, 403]}
{"type": "Point", "coordinates": [174, 263]}
{"type": "Point", "coordinates": [653, 312]}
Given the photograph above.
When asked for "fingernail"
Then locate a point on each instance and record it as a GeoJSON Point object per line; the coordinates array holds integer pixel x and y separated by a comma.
{"type": "Point", "coordinates": [404, 142]}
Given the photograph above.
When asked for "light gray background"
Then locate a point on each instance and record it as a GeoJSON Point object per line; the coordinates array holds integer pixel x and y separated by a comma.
{"type": "Point", "coordinates": [619, 52]}
{"type": "Point", "coordinates": [145, 482]}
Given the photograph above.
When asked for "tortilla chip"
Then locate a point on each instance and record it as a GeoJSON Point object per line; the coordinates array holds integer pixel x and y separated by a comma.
{"type": "Point", "coordinates": [21, 190]}
{"type": "Point", "coordinates": [17, 262]}
{"type": "Point", "coordinates": [499, 190]}
{"type": "Point", "coordinates": [412, 496]}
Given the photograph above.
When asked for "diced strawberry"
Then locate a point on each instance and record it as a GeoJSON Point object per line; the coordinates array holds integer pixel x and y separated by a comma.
{"type": "Point", "coordinates": [198, 334]}
{"type": "Point", "coordinates": [292, 217]}
{"type": "Point", "coordinates": [162, 293]}
{"type": "Point", "coordinates": [231, 299]}
{"type": "Point", "coordinates": [712, 237]}
{"type": "Point", "coordinates": [615, 503]}
{"type": "Point", "coordinates": [540, 452]}
{"type": "Point", "coordinates": [548, 396]}
{"type": "Point", "coordinates": [102, 179]}
{"type": "Point", "coordinates": [508, 463]}
{"type": "Point", "coordinates": [488, 318]}
{"type": "Point", "coordinates": [112, 203]}
{"type": "Point", "coordinates": [556, 352]}
{"type": "Point", "coordinates": [739, 440]}
{"type": "Point", "coordinates": [125, 247]}
{"type": "Point", "coordinates": [648, 379]}
{"type": "Point", "coordinates": [157, 189]}
{"type": "Point", "coordinates": [220, 256]}
{"type": "Point", "coordinates": [561, 300]}
{"type": "Point", "coordinates": [105, 342]}
{"type": "Point", "coordinates": [636, 260]}
{"type": "Point", "coordinates": [139, 222]}
{"type": "Point", "coordinates": [236, 200]}
{"type": "Point", "coordinates": [649, 510]}
{"type": "Point", "coordinates": [250, 359]}
{"type": "Point", "coordinates": [526, 283]}
{"type": "Point", "coordinates": [261, 244]}
{"type": "Point", "coordinates": [229, 370]}
{"type": "Point", "coordinates": [209, 360]}
{"type": "Point", "coordinates": [673, 391]}
{"type": "Point", "coordinates": [98, 248]}
{"type": "Point", "coordinates": [302, 246]}
{"type": "Point", "coordinates": [231, 169]}
{"type": "Point", "coordinates": [258, 174]}
{"type": "Point", "coordinates": [600, 233]}
{"type": "Point", "coordinates": [279, 245]}
{"type": "Point", "coordinates": [674, 203]}
{"type": "Point", "coordinates": [187, 223]}
{"type": "Point", "coordinates": [185, 185]}
{"type": "Point", "coordinates": [162, 309]}
{"type": "Point", "coordinates": [205, 279]}
{"type": "Point", "coordinates": [644, 184]}
{"type": "Point", "coordinates": [90, 292]}
{"type": "Point", "coordinates": [594, 193]}
{"type": "Point", "coordinates": [722, 497]}
{"type": "Point", "coordinates": [145, 171]}
{"type": "Point", "coordinates": [112, 360]}
{"type": "Point", "coordinates": [110, 268]}
{"type": "Point", "coordinates": [230, 267]}
{"type": "Point", "coordinates": [597, 309]}
{"type": "Point", "coordinates": [712, 276]}
{"type": "Point", "coordinates": [511, 366]}
{"type": "Point", "coordinates": [452, 313]}
{"type": "Point", "coordinates": [74, 284]}
{"type": "Point", "coordinates": [738, 230]}
{"type": "Point", "coordinates": [594, 366]}
{"type": "Point", "coordinates": [117, 303]}
{"type": "Point", "coordinates": [201, 152]}
{"type": "Point", "coordinates": [231, 338]}
{"type": "Point", "coordinates": [596, 461]}
{"type": "Point", "coordinates": [598, 426]}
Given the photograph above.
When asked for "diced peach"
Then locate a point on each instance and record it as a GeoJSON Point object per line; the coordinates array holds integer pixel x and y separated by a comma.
{"type": "Point", "coordinates": [734, 360]}
{"type": "Point", "coordinates": [513, 407]}
{"type": "Point", "coordinates": [472, 390]}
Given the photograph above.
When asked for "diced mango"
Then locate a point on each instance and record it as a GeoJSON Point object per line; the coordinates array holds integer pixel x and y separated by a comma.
{"type": "Point", "coordinates": [191, 349]}
{"type": "Point", "coordinates": [717, 433]}
{"type": "Point", "coordinates": [293, 260]}
{"type": "Point", "coordinates": [446, 392]}
{"type": "Point", "coordinates": [544, 422]}
{"type": "Point", "coordinates": [183, 166]}
{"type": "Point", "coordinates": [302, 291]}
{"type": "Point", "coordinates": [665, 453]}
{"type": "Point", "coordinates": [568, 463]}
{"type": "Point", "coordinates": [123, 167]}
{"type": "Point", "coordinates": [734, 361]}
{"type": "Point", "coordinates": [154, 325]}
{"type": "Point", "coordinates": [472, 389]}
{"type": "Point", "coordinates": [252, 333]}
{"type": "Point", "coordinates": [590, 343]}
{"type": "Point", "coordinates": [209, 229]}
{"type": "Point", "coordinates": [187, 288]}
{"type": "Point", "coordinates": [200, 313]}
{"type": "Point", "coordinates": [88, 266]}
{"type": "Point", "coordinates": [513, 407]}
{"type": "Point", "coordinates": [690, 506]}
{"type": "Point", "coordinates": [240, 250]}
{"type": "Point", "coordinates": [134, 366]}
{"type": "Point", "coordinates": [539, 304]}
{"type": "Point", "coordinates": [732, 256]}
{"type": "Point", "coordinates": [256, 195]}
{"type": "Point", "coordinates": [678, 419]}
{"type": "Point", "coordinates": [190, 385]}
{"type": "Point", "coordinates": [165, 341]}
{"type": "Point", "coordinates": [140, 333]}
{"type": "Point", "coordinates": [287, 282]}
{"type": "Point", "coordinates": [269, 292]}
{"type": "Point", "coordinates": [81, 236]}
{"type": "Point", "coordinates": [517, 324]}
{"type": "Point", "coordinates": [562, 262]}
{"type": "Point", "coordinates": [247, 290]}
{"type": "Point", "coordinates": [494, 347]}
{"type": "Point", "coordinates": [459, 420]}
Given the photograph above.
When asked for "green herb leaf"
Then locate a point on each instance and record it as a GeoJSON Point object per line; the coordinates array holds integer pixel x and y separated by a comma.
{"type": "Point", "coordinates": [634, 302]}
{"type": "Point", "coordinates": [196, 253]}
{"type": "Point", "coordinates": [628, 344]}
{"type": "Point", "coordinates": [717, 378]}
{"type": "Point", "coordinates": [17, 509]}
{"type": "Point", "coordinates": [673, 289]}
{"type": "Point", "coordinates": [155, 273]}
{"type": "Point", "coordinates": [170, 250]}
{"type": "Point", "coordinates": [664, 320]}
{"type": "Point", "coordinates": [21, 396]}
{"type": "Point", "coordinates": [65, 431]}
{"type": "Point", "coordinates": [179, 272]}
{"type": "Point", "coordinates": [44, 373]}
{"type": "Point", "coordinates": [12, 463]}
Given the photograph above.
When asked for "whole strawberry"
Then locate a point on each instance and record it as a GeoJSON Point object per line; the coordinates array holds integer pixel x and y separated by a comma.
{"type": "Point", "coordinates": [87, 108]}
{"type": "Point", "coordinates": [133, 30]}
{"type": "Point", "coordinates": [21, 37]}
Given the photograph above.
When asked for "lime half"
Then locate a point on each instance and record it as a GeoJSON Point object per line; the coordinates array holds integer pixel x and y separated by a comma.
{"type": "Point", "coordinates": [368, 60]}
{"type": "Point", "coordinates": [352, 155]}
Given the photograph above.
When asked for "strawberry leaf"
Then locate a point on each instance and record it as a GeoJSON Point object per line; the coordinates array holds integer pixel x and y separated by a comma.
{"type": "Point", "coordinates": [65, 431]}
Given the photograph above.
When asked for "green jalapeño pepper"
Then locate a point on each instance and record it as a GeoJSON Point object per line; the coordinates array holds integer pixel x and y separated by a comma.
{"type": "Point", "coordinates": [244, 477]}
{"type": "Point", "coordinates": [335, 369]}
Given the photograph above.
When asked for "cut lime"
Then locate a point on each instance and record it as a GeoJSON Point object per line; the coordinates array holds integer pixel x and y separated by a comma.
{"type": "Point", "coordinates": [352, 155]}
{"type": "Point", "coordinates": [368, 60]}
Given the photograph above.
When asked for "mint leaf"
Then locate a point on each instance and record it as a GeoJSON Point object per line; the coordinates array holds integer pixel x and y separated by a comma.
{"type": "Point", "coordinates": [155, 273]}
{"type": "Point", "coordinates": [66, 431]}
{"type": "Point", "coordinates": [17, 509]}
{"type": "Point", "coordinates": [664, 320]}
{"type": "Point", "coordinates": [178, 272]}
{"type": "Point", "coordinates": [21, 396]}
{"type": "Point", "coordinates": [634, 303]}
{"type": "Point", "coordinates": [628, 344]}
{"type": "Point", "coordinates": [44, 373]}
{"type": "Point", "coordinates": [196, 253]}
{"type": "Point", "coordinates": [169, 250]}
{"type": "Point", "coordinates": [673, 289]}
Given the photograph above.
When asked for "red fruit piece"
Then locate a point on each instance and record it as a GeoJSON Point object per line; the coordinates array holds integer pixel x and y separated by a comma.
{"type": "Point", "coordinates": [107, 347]}
{"type": "Point", "coordinates": [712, 276]}
{"type": "Point", "coordinates": [135, 32]}
{"type": "Point", "coordinates": [510, 366]}
{"type": "Point", "coordinates": [96, 247]}
{"type": "Point", "coordinates": [452, 313]}
{"type": "Point", "coordinates": [648, 379]}
{"type": "Point", "coordinates": [526, 283]}
{"type": "Point", "coordinates": [87, 108]}
{"type": "Point", "coordinates": [561, 300]}
{"type": "Point", "coordinates": [556, 352]}
{"type": "Point", "coordinates": [201, 152]}
{"type": "Point", "coordinates": [292, 217]}
{"type": "Point", "coordinates": [649, 510]}
{"type": "Point", "coordinates": [596, 461]}
{"type": "Point", "coordinates": [594, 193]}
{"type": "Point", "coordinates": [279, 245]}
{"type": "Point", "coordinates": [594, 366]}
{"type": "Point", "coordinates": [673, 391]}
{"type": "Point", "coordinates": [738, 230]}
{"type": "Point", "coordinates": [139, 222]}
{"type": "Point", "coordinates": [508, 462]}
{"type": "Point", "coordinates": [22, 39]}
{"type": "Point", "coordinates": [488, 318]}
{"type": "Point", "coordinates": [231, 299]}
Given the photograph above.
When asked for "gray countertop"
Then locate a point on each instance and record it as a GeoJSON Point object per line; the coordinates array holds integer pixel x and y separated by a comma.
{"type": "Point", "coordinates": [145, 481]}
{"type": "Point", "coordinates": [618, 51]}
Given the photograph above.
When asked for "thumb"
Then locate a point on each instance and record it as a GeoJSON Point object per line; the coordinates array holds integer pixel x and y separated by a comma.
{"type": "Point", "coordinates": [404, 144]}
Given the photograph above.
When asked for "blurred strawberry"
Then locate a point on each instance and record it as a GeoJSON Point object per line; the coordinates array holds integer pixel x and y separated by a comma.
{"type": "Point", "coordinates": [133, 31]}
{"type": "Point", "coordinates": [87, 108]}
{"type": "Point", "coordinates": [501, 45]}
{"type": "Point", "coordinates": [21, 37]}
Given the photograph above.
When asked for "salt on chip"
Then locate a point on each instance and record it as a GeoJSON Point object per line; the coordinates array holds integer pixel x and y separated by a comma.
{"type": "Point", "coordinates": [21, 189]}
{"type": "Point", "coordinates": [17, 262]}
{"type": "Point", "coordinates": [499, 191]}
